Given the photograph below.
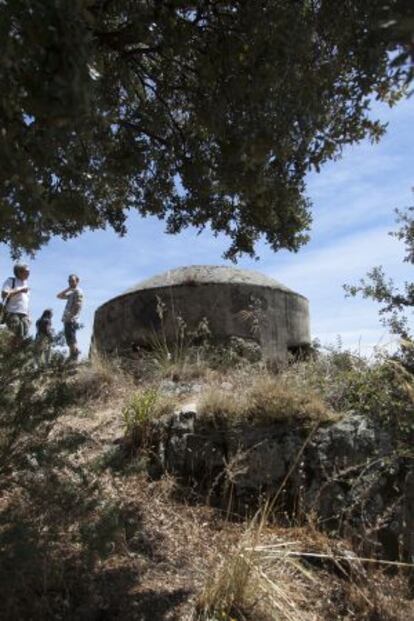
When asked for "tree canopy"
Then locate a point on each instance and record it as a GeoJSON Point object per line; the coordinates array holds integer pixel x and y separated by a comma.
{"type": "Point", "coordinates": [202, 113]}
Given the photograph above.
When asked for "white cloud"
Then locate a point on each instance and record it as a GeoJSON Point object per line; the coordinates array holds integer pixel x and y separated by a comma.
{"type": "Point", "coordinates": [345, 258]}
{"type": "Point", "coordinates": [320, 273]}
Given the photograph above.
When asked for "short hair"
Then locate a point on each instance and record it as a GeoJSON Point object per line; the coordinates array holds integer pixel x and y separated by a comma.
{"type": "Point", "coordinates": [47, 313]}
{"type": "Point", "coordinates": [75, 276]}
{"type": "Point", "coordinates": [17, 269]}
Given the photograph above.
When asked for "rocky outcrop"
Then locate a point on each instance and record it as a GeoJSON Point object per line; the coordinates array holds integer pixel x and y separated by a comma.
{"type": "Point", "coordinates": [345, 474]}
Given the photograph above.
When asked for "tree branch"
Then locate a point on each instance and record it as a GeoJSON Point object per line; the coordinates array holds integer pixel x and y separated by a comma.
{"type": "Point", "coordinates": [145, 131]}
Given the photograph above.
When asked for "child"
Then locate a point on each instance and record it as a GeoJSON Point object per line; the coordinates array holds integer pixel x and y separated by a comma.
{"type": "Point", "coordinates": [44, 337]}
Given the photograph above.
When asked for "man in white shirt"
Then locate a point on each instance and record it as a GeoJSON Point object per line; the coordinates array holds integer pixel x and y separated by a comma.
{"type": "Point", "coordinates": [15, 294]}
{"type": "Point", "coordinates": [74, 300]}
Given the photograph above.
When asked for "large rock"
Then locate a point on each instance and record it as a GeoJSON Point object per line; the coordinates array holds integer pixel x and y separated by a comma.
{"type": "Point", "coordinates": [345, 474]}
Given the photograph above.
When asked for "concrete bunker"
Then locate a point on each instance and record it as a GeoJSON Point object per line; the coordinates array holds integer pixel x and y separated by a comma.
{"type": "Point", "coordinates": [237, 303]}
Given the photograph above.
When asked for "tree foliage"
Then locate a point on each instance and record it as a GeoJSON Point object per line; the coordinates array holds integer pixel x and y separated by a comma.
{"type": "Point", "coordinates": [202, 113]}
{"type": "Point", "coordinates": [395, 302]}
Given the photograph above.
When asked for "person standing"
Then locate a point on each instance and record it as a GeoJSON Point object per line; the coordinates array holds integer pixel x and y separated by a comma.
{"type": "Point", "coordinates": [74, 301]}
{"type": "Point", "coordinates": [15, 294]}
{"type": "Point", "coordinates": [44, 338]}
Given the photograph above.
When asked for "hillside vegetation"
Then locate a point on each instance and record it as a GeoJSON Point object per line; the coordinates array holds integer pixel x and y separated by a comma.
{"type": "Point", "coordinates": [88, 531]}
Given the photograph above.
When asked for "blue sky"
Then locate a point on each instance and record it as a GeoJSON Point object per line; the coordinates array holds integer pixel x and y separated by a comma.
{"type": "Point", "coordinates": [353, 210]}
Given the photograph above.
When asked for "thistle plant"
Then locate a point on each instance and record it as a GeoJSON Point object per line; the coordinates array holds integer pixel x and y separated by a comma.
{"type": "Point", "coordinates": [254, 315]}
{"type": "Point", "coordinates": [175, 345]}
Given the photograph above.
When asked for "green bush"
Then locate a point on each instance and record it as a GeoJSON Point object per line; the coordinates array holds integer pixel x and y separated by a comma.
{"type": "Point", "coordinates": [381, 388]}
{"type": "Point", "coordinates": [384, 390]}
{"type": "Point", "coordinates": [30, 399]}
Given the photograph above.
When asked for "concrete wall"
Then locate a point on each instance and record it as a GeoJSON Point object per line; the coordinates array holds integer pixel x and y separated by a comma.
{"type": "Point", "coordinates": [132, 319]}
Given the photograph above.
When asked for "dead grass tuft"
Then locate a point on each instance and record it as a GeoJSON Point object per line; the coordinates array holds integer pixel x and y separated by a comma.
{"type": "Point", "coordinates": [277, 398]}
{"type": "Point", "coordinates": [99, 380]}
{"type": "Point", "coordinates": [184, 370]}
{"type": "Point", "coordinates": [265, 398]}
{"type": "Point", "coordinates": [246, 587]}
{"type": "Point", "coordinates": [229, 591]}
{"type": "Point", "coordinates": [269, 575]}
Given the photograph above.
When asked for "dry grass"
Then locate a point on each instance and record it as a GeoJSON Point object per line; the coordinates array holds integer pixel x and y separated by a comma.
{"type": "Point", "coordinates": [245, 587]}
{"type": "Point", "coordinates": [193, 363]}
{"type": "Point", "coordinates": [268, 578]}
{"type": "Point", "coordinates": [185, 370]}
{"type": "Point", "coordinates": [79, 542]}
{"type": "Point", "coordinates": [275, 398]}
{"type": "Point", "coordinates": [100, 379]}
{"type": "Point", "coordinates": [263, 398]}
{"type": "Point", "coordinates": [229, 590]}
{"type": "Point", "coordinates": [107, 545]}
{"type": "Point", "coordinates": [351, 588]}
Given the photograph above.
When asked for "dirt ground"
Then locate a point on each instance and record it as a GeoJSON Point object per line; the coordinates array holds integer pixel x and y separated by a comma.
{"type": "Point", "coordinates": [89, 536]}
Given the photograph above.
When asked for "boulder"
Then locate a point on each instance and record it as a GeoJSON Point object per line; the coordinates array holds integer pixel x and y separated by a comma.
{"type": "Point", "coordinates": [344, 474]}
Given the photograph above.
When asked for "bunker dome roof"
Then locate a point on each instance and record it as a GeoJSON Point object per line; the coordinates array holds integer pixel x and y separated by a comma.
{"type": "Point", "coordinates": [208, 274]}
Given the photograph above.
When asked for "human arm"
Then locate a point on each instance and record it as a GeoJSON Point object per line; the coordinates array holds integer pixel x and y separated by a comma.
{"type": "Point", "coordinates": [64, 294]}
{"type": "Point", "coordinates": [9, 289]}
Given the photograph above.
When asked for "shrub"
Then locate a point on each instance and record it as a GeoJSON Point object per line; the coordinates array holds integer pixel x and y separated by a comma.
{"type": "Point", "coordinates": [30, 399]}
{"type": "Point", "coordinates": [330, 384]}
{"type": "Point", "coordinates": [381, 388]}
{"type": "Point", "coordinates": [386, 391]}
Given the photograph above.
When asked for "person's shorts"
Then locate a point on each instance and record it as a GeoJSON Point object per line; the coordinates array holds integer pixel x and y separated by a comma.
{"type": "Point", "coordinates": [18, 324]}
{"type": "Point", "coordinates": [70, 328]}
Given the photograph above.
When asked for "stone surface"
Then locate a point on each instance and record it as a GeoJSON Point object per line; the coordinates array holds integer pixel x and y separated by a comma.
{"type": "Point", "coordinates": [344, 473]}
{"type": "Point", "coordinates": [237, 304]}
{"type": "Point", "coordinates": [207, 274]}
